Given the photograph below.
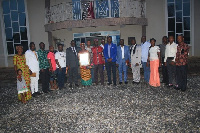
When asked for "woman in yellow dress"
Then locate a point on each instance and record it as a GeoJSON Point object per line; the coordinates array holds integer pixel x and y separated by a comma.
{"type": "Point", "coordinates": [19, 62]}
{"type": "Point", "coordinates": [86, 79]}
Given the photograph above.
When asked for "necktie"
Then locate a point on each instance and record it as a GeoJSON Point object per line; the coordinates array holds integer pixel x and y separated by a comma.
{"type": "Point", "coordinates": [74, 50]}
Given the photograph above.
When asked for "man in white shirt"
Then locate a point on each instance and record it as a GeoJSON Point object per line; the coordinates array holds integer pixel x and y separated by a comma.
{"type": "Point", "coordinates": [33, 64]}
{"type": "Point", "coordinates": [60, 57]}
{"type": "Point", "coordinates": [145, 51]}
{"type": "Point", "coordinates": [170, 56]}
{"type": "Point", "coordinates": [135, 55]}
{"type": "Point", "coordinates": [123, 56]}
{"type": "Point", "coordinates": [102, 43]}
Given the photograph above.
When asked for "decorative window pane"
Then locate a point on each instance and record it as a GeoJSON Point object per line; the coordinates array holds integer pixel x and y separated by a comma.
{"type": "Point", "coordinates": [25, 45]}
{"type": "Point", "coordinates": [171, 10]}
{"type": "Point", "coordinates": [171, 24]}
{"type": "Point", "coordinates": [21, 6]}
{"type": "Point", "coordinates": [10, 48]}
{"type": "Point", "coordinates": [9, 34]}
{"type": "Point", "coordinates": [179, 16]}
{"type": "Point", "coordinates": [7, 21]}
{"type": "Point", "coordinates": [186, 9]}
{"type": "Point", "coordinates": [16, 38]}
{"type": "Point", "coordinates": [179, 28]}
{"type": "Point", "coordinates": [186, 0]}
{"type": "Point", "coordinates": [6, 7]}
{"type": "Point", "coordinates": [23, 32]}
{"type": "Point", "coordinates": [187, 36]}
{"type": "Point", "coordinates": [15, 27]}
{"type": "Point", "coordinates": [186, 23]}
{"type": "Point", "coordinates": [13, 5]}
{"type": "Point", "coordinates": [14, 15]}
{"type": "Point", "coordinates": [22, 19]}
{"type": "Point", "coordinates": [178, 4]}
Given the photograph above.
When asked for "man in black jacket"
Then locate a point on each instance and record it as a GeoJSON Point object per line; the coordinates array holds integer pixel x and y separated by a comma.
{"type": "Point", "coordinates": [72, 63]}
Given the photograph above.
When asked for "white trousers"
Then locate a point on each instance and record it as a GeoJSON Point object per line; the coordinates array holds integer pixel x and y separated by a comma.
{"type": "Point", "coordinates": [34, 83]}
{"type": "Point", "coordinates": [136, 73]}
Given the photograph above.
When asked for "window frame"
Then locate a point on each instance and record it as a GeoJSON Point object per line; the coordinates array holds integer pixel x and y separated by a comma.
{"type": "Point", "coordinates": [183, 30]}
{"type": "Point", "coordinates": [4, 33]}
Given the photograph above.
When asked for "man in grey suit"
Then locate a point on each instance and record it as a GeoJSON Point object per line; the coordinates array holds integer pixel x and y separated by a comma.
{"type": "Point", "coordinates": [72, 63]}
{"type": "Point", "coordinates": [135, 54]}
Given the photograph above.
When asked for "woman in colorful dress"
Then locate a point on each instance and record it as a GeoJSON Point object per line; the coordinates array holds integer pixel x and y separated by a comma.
{"type": "Point", "coordinates": [154, 58]}
{"type": "Point", "coordinates": [86, 79]}
{"type": "Point", "coordinates": [19, 62]}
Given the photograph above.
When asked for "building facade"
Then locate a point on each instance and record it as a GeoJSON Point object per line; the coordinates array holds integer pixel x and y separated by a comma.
{"type": "Point", "coordinates": [60, 21]}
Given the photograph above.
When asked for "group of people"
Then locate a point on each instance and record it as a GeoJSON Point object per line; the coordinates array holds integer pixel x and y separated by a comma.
{"type": "Point", "coordinates": [90, 60]}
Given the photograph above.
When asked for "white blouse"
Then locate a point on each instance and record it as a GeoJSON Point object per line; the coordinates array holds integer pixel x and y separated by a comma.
{"type": "Point", "coordinates": [153, 51]}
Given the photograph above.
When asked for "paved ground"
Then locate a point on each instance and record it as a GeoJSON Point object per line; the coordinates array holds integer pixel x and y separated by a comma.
{"type": "Point", "coordinates": [126, 108]}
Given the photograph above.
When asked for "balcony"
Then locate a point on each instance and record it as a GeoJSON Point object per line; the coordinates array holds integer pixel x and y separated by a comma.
{"type": "Point", "coordinates": [84, 13]}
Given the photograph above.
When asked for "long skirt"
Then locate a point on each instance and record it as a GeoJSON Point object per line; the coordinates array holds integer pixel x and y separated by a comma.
{"type": "Point", "coordinates": [154, 73]}
{"type": "Point", "coordinates": [85, 76]}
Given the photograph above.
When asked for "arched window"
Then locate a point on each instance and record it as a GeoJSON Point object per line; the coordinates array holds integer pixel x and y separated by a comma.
{"type": "Point", "coordinates": [14, 15]}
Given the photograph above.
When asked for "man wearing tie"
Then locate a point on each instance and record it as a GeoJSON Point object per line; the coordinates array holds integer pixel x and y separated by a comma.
{"type": "Point", "coordinates": [72, 63]}
{"type": "Point", "coordinates": [135, 55]}
{"type": "Point", "coordinates": [110, 53]}
{"type": "Point", "coordinates": [123, 56]}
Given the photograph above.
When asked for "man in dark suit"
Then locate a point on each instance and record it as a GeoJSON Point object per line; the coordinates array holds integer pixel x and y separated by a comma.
{"type": "Point", "coordinates": [72, 63]}
{"type": "Point", "coordinates": [110, 53]}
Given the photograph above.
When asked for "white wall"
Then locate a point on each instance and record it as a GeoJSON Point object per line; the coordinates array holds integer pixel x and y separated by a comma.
{"type": "Point", "coordinates": [36, 19]}
{"type": "Point", "coordinates": [155, 13]}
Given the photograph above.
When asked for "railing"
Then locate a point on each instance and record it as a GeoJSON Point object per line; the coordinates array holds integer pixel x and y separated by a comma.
{"type": "Point", "coordinates": [82, 9]}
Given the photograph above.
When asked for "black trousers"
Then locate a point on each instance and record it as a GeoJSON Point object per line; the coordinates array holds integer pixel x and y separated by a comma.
{"type": "Point", "coordinates": [73, 75]}
{"type": "Point", "coordinates": [181, 75]}
{"type": "Point", "coordinates": [171, 69]}
{"type": "Point", "coordinates": [98, 69]}
{"type": "Point", "coordinates": [109, 66]}
{"type": "Point", "coordinates": [45, 77]}
{"type": "Point", "coordinates": [164, 72]}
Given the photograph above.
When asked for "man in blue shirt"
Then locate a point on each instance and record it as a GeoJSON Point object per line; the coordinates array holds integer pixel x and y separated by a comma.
{"type": "Point", "coordinates": [110, 53]}
{"type": "Point", "coordinates": [145, 51]}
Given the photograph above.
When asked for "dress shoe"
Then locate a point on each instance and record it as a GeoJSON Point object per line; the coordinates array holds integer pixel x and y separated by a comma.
{"type": "Point", "coordinates": [33, 95]}
{"type": "Point", "coordinates": [38, 93]}
{"type": "Point", "coordinates": [169, 85]}
{"type": "Point", "coordinates": [126, 82]}
{"type": "Point", "coordinates": [70, 86]}
{"type": "Point", "coordinates": [120, 83]}
{"type": "Point", "coordinates": [183, 90]}
{"type": "Point", "coordinates": [77, 85]}
{"type": "Point", "coordinates": [109, 83]}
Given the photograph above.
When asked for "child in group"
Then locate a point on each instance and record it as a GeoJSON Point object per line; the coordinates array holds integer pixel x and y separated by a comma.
{"type": "Point", "coordinates": [52, 62]}
{"type": "Point", "coordinates": [21, 86]}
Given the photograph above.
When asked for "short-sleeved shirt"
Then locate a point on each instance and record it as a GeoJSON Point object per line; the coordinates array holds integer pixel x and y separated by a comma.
{"type": "Point", "coordinates": [42, 58]}
{"type": "Point", "coordinates": [182, 54]}
{"type": "Point", "coordinates": [51, 56]}
{"type": "Point", "coordinates": [153, 51]}
{"type": "Point", "coordinates": [61, 57]}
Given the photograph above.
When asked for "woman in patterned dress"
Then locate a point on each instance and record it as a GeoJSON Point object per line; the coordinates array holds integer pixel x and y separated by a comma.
{"type": "Point", "coordinates": [86, 79]}
{"type": "Point", "coordinates": [19, 62]}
